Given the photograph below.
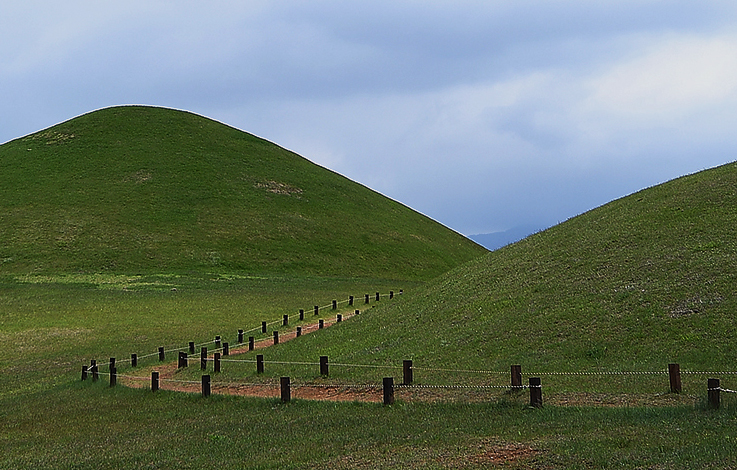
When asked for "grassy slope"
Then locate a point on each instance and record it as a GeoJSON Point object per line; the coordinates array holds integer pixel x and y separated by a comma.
{"type": "Point", "coordinates": [137, 189]}
{"type": "Point", "coordinates": [643, 281]}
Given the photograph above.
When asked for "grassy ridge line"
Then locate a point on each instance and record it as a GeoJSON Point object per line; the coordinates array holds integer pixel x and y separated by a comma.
{"type": "Point", "coordinates": [641, 282]}
{"type": "Point", "coordinates": [139, 189]}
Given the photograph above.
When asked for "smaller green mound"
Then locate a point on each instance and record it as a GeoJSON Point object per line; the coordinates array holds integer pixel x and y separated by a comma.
{"type": "Point", "coordinates": [634, 285]}
{"type": "Point", "coordinates": [140, 189]}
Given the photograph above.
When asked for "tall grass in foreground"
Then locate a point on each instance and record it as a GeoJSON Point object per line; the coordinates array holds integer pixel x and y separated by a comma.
{"type": "Point", "coordinates": [85, 425]}
{"type": "Point", "coordinates": [49, 419]}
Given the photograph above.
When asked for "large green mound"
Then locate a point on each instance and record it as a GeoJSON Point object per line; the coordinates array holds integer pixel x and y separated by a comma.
{"type": "Point", "coordinates": [140, 189]}
{"type": "Point", "coordinates": [635, 284]}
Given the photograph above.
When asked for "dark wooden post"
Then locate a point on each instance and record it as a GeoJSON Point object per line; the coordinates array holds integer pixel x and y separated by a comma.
{"type": "Point", "coordinates": [388, 386]}
{"type": "Point", "coordinates": [713, 390]}
{"type": "Point", "coordinates": [317, 310]}
{"type": "Point", "coordinates": [205, 385]}
{"type": "Point", "coordinates": [217, 342]}
{"type": "Point", "coordinates": [216, 363]}
{"type": "Point", "coordinates": [335, 304]}
{"type": "Point", "coordinates": [674, 374]}
{"type": "Point", "coordinates": [286, 393]}
{"type": "Point", "coordinates": [321, 324]}
{"type": "Point", "coordinates": [516, 376]}
{"type": "Point", "coordinates": [401, 291]}
{"type": "Point", "coordinates": [154, 381]}
{"type": "Point", "coordinates": [191, 347]}
{"type": "Point", "coordinates": [285, 320]}
{"type": "Point", "coordinates": [84, 373]}
{"type": "Point", "coordinates": [339, 318]}
{"type": "Point", "coordinates": [251, 343]}
{"type": "Point", "coordinates": [357, 312]}
{"type": "Point", "coordinates": [276, 337]}
{"type": "Point", "coordinates": [162, 355]}
{"type": "Point", "coordinates": [113, 376]}
{"type": "Point", "coordinates": [407, 372]}
{"type": "Point", "coordinates": [350, 300]}
{"type": "Point", "coordinates": [263, 327]}
{"type": "Point", "coordinates": [203, 358]}
{"type": "Point", "coordinates": [301, 314]}
{"type": "Point", "coordinates": [111, 364]}
{"type": "Point", "coordinates": [323, 365]}
{"type": "Point", "coordinates": [391, 294]}
{"type": "Point", "coordinates": [182, 360]}
{"type": "Point", "coordinates": [240, 336]}
{"type": "Point", "coordinates": [134, 360]}
{"type": "Point", "coordinates": [260, 364]}
{"type": "Point", "coordinates": [377, 296]}
{"type": "Point", "coordinates": [299, 331]}
{"type": "Point", "coordinates": [367, 299]}
{"type": "Point", "coordinates": [226, 349]}
{"type": "Point", "coordinates": [536, 392]}
{"type": "Point", "coordinates": [93, 366]}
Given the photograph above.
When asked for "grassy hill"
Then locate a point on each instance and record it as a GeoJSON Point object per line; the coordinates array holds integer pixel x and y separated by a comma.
{"type": "Point", "coordinates": [633, 285]}
{"type": "Point", "coordinates": [140, 189]}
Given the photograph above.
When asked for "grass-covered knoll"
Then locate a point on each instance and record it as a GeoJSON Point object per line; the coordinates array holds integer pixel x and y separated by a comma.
{"type": "Point", "coordinates": [140, 189]}
{"type": "Point", "coordinates": [643, 281]}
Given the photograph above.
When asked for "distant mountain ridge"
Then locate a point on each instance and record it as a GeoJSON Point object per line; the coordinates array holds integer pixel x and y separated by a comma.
{"type": "Point", "coordinates": [496, 240]}
{"type": "Point", "coordinates": [138, 188]}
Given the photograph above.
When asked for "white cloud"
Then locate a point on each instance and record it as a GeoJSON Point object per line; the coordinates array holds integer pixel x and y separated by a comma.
{"type": "Point", "coordinates": [671, 80]}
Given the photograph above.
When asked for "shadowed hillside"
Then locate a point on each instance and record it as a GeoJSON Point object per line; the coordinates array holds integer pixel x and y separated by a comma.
{"type": "Point", "coordinates": [130, 189]}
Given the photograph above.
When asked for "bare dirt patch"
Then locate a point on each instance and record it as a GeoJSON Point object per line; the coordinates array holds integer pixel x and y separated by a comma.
{"type": "Point", "coordinates": [279, 188]}
{"type": "Point", "coordinates": [141, 176]}
{"type": "Point", "coordinates": [481, 453]}
{"type": "Point", "coordinates": [501, 454]}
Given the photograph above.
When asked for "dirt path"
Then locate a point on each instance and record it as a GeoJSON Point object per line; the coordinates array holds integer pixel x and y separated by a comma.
{"type": "Point", "coordinates": [167, 376]}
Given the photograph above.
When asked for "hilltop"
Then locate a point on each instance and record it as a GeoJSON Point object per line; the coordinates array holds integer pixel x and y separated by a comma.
{"type": "Point", "coordinates": [142, 189]}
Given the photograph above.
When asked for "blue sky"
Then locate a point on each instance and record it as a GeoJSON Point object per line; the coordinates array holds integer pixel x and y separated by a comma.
{"type": "Point", "coordinates": [484, 115]}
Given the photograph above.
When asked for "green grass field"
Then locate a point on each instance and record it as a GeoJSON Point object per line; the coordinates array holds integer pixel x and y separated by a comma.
{"type": "Point", "coordinates": [50, 419]}
{"type": "Point", "coordinates": [188, 234]}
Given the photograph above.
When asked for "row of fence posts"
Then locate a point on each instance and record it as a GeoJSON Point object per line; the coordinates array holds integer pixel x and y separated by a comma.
{"type": "Point", "coordinates": [534, 385]}
{"type": "Point", "coordinates": [183, 356]}
{"type": "Point", "coordinates": [219, 344]}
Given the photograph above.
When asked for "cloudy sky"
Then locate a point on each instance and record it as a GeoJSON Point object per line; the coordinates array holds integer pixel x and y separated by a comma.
{"type": "Point", "coordinates": [484, 115]}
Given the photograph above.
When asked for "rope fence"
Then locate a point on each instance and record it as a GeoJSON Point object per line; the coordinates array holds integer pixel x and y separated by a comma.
{"type": "Point", "coordinates": [162, 351]}
{"type": "Point", "coordinates": [534, 386]}
{"type": "Point", "coordinates": [222, 350]}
